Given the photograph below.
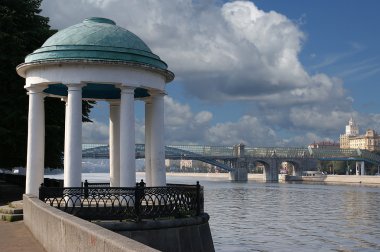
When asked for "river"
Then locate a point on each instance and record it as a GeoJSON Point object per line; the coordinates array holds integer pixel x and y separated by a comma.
{"type": "Point", "coordinates": [256, 216]}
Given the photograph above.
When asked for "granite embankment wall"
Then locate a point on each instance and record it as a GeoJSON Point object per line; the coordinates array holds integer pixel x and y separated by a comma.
{"type": "Point", "coordinates": [177, 235]}
{"type": "Point", "coordinates": [223, 176]}
{"type": "Point", "coordinates": [333, 179]}
{"type": "Point", "coordinates": [346, 179]}
{"type": "Point", "coordinates": [58, 231]}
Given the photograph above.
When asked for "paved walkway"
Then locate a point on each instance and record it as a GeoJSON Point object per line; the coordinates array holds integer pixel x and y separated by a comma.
{"type": "Point", "coordinates": [16, 237]}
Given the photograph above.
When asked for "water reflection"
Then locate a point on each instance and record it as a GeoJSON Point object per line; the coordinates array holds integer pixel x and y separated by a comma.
{"type": "Point", "coordinates": [293, 217]}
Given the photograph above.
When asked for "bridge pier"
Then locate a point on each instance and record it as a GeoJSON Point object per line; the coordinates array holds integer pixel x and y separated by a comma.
{"type": "Point", "coordinates": [239, 175]}
{"type": "Point", "coordinates": [240, 172]}
{"type": "Point", "coordinates": [360, 168]}
{"type": "Point", "coordinates": [270, 172]}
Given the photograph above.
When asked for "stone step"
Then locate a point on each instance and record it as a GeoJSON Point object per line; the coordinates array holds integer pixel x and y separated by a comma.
{"type": "Point", "coordinates": [10, 210]}
{"type": "Point", "coordinates": [16, 204]}
{"type": "Point", "coordinates": [11, 217]}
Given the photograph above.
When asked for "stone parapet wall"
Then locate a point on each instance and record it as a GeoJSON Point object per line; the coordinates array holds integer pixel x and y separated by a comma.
{"type": "Point", "coordinates": [179, 235]}
{"type": "Point", "coordinates": [372, 180]}
{"type": "Point", "coordinates": [58, 231]}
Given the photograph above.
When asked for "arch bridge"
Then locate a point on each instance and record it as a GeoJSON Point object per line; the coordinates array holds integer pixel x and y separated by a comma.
{"type": "Point", "coordinates": [235, 159]}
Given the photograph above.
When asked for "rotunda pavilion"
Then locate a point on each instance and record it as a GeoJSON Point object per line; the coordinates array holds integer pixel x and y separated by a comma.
{"type": "Point", "coordinates": [97, 60]}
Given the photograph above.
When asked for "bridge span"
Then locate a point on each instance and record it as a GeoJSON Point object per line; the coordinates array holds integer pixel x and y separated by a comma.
{"type": "Point", "coordinates": [235, 159]}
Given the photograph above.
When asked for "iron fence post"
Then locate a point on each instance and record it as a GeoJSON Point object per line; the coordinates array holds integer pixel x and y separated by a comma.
{"type": "Point", "coordinates": [198, 199]}
{"type": "Point", "coordinates": [139, 192]}
{"type": "Point", "coordinates": [86, 189]}
{"type": "Point", "coordinates": [41, 195]}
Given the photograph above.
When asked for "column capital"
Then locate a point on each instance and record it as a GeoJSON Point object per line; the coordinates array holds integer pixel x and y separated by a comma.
{"type": "Point", "coordinates": [154, 92]}
{"type": "Point", "coordinates": [127, 89]}
{"type": "Point", "coordinates": [114, 102]}
{"type": "Point", "coordinates": [74, 86]}
{"type": "Point", "coordinates": [35, 89]}
{"type": "Point", "coordinates": [148, 100]}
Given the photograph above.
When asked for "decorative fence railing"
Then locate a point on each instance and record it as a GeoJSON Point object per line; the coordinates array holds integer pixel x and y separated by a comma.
{"type": "Point", "coordinates": [126, 203]}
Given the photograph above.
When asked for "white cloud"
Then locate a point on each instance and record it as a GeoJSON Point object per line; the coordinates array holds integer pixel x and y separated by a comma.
{"type": "Point", "coordinates": [176, 114]}
{"type": "Point", "coordinates": [203, 117]}
{"type": "Point", "coordinates": [98, 132]}
{"type": "Point", "coordinates": [248, 130]}
{"type": "Point", "coordinates": [306, 139]}
{"type": "Point", "coordinates": [183, 126]}
{"type": "Point", "coordinates": [233, 51]}
{"type": "Point", "coordinates": [95, 132]}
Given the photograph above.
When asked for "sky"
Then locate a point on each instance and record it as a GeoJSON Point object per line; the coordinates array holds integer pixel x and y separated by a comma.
{"type": "Point", "coordinates": [263, 73]}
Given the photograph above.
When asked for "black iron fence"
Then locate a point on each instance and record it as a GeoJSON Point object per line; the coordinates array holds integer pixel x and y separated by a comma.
{"type": "Point", "coordinates": [126, 203]}
{"type": "Point", "coordinates": [95, 184]}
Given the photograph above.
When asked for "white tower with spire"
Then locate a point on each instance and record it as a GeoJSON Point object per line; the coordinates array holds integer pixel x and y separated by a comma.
{"type": "Point", "coordinates": [352, 128]}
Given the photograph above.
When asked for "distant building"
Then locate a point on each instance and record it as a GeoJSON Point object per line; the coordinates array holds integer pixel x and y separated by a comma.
{"type": "Point", "coordinates": [186, 163]}
{"type": "Point", "coordinates": [352, 140]}
{"type": "Point", "coordinates": [172, 163]}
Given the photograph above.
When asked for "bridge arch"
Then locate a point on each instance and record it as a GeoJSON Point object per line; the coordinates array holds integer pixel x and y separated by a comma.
{"type": "Point", "coordinates": [297, 166]}
{"type": "Point", "coordinates": [270, 170]}
{"type": "Point", "coordinates": [265, 163]}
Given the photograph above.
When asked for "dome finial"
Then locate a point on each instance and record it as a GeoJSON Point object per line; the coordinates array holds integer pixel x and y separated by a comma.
{"type": "Point", "coordinates": [100, 20]}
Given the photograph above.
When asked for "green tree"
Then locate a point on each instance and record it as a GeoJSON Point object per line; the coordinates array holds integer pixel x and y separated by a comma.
{"type": "Point", "coordinates": [22, 31]}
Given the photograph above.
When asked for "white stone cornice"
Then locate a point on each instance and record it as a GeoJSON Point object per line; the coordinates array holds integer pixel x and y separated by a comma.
{"type": "Point", "coordinates": [23, 68]}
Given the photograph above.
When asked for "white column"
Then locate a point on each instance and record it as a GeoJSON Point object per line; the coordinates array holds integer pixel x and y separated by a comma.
{"type": "Point", "coordinates": [357, 168]}
{"type": "Point", "coordinates": [157, 150]}
{"type": "Point", "coordinates": [73, 137]}
{"type": "Point", "coordinates": [148, 128]}
{"type": "Point", "coordinates": [127, 138]}
{"type": "Point", "coordinates": [36, 141]}
{"type": "Point", "coordinates": [114, 143]}
{"type": "Point", "coordinates": [362, 170]}
{"type": "Point", "coordinates": [64, 99]}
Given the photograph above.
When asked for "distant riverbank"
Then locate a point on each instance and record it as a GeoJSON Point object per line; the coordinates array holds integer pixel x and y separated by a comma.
{"type": "Point", "coordinates": [344, 179]}
{"type": "Point", "coordinates": [328, 179]}
{"type": "Point", "coordinates": [333, 179]}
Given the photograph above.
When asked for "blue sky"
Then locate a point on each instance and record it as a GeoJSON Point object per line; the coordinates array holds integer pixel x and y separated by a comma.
{"type": "Point", "coordinates": [264, 72]}
{"type": "Point", "coordinates": [342, 41]}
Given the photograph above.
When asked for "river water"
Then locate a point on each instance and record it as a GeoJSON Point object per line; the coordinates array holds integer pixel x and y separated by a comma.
{"type": "Point", "coordinates": [256, 216]}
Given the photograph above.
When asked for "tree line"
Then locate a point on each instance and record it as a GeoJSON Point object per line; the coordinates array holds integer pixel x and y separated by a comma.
{"type": "Point", "coordinates": [23, 30]}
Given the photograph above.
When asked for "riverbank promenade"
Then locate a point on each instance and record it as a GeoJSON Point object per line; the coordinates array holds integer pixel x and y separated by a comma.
{"type": "Point", "coordinates": [15, 236]}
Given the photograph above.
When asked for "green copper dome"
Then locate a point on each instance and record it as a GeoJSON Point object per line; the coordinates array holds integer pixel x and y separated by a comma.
{"type": "Point", "coordinates": [96, 39]}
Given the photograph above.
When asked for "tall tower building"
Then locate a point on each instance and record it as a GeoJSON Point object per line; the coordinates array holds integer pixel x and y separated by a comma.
{"type": "Point", "coordinates": [352, 129]}
{"type": "Point", "coordinates": [352, 140]}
